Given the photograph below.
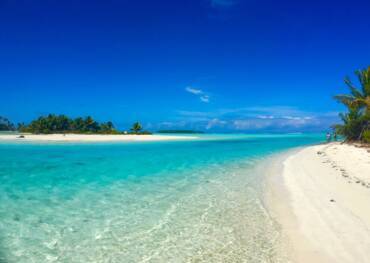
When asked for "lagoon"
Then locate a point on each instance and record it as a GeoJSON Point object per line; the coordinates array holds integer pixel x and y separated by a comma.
{"type": "Point", "coordinates": [166, 201]}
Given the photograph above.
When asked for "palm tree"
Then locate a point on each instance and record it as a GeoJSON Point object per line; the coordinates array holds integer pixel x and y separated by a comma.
{"type": "Point", "coordinates": [110, 125]}
{"type": "Point", "coordinates": [6, 125]}
{"type": "Point", "coordinates": [359, 98]}
{"type": "Point", "coordinates": [357, 120]}
{"type": "Point", "coordinates": [107, 127]}
{"type": "Point", "coordinates": [136, 127]}
{"type": "Point", "coordinates": [352, 126]}
{"type": "Point", "coordinates": [91, 124]}
{"type": "Point", "coordinates": [79, 125]}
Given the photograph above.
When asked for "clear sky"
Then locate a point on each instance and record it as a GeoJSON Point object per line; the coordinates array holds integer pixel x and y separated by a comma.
{"type": "Point", "coordinates": [217, 65]}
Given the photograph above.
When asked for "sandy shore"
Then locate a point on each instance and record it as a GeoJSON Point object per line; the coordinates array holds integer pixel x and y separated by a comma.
{"type": "Point", "coordinates": [91, 138]}
{"type": "Point", "coordinates": [321, 198]}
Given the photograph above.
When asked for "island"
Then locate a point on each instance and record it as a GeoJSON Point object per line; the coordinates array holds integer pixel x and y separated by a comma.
{"type": "Point", "coordinates": [62, 128]}
{"type": "Point", "coordinates": [181, 131]}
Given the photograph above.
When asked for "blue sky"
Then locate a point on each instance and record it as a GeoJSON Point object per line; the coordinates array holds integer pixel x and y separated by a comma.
{"type": "Point", "coordinates": [215, 65]}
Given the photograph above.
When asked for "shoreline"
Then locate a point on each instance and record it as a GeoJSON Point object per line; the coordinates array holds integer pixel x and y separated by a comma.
{"type": "Point", "coordinates": [320, 195]}
{"type": "Point", "coordinates": [90, 138]}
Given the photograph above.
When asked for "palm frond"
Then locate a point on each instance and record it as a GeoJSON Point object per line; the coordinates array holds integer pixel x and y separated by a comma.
{"type": "Point", "coordinates": [343, 117]}
{"type": "Point", "coordinates": [366, 82]}
{"type": "Point", "coordinates": [345, 99]}
{"type": "Point", "coordinates": [354, 91]}
{"type": "Point", "coordinates": [359, 103]}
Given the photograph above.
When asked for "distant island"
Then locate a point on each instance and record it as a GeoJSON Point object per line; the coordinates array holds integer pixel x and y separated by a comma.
{"type": "Point", "coordinates": [62, 124]}
{"type": "Point", "coordinates": [181, 131]}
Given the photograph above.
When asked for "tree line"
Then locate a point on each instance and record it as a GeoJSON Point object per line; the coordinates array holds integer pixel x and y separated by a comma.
{"type": "Point", "coordinates": [356, 121]}
{"type": "Point", "coordinates": [6, 125]}
{"type": "Point", "coordinates": [63, 124]}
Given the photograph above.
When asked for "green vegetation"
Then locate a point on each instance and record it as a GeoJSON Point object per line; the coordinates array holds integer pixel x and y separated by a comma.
{"type": "Point", "coordinates": [136, 128]}
{"type": "Point", "coordinates": [6, 125]}
{"type": "Point", "coordinates": [62, 124]}
{"type": "Point", "coordinates": [180, 131]}
{"type": "Point", "coordinates": [366, 136]}
{"type": "Point", "coordinates": [356, 122]}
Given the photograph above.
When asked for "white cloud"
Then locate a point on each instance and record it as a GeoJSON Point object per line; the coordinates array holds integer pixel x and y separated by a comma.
{"type": "Point", "coordinates": [215, 123]}
{"type": "Point", "coordinates": [204, 98]}
{"type": "Point", "coordinates": [273, 124]}
{"type": "Point", "coordinates": [193, 113]}
{"type": "Point", "coordinates": [291, 118]}
{"type": "Point", "coordinates": [202, 95]}
{"type": "Point", "coordinates": [172, 125]}
{"type": "Point", "coordinates": [272, 118]}
{"type": "Point", "coordinates": [266, 117]}
{"type": "Point", "coordinates": [251, 124]}
{"type": "Point", "coordinates": [194, 91]}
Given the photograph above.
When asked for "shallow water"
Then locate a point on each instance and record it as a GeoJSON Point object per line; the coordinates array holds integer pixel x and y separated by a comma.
{"type": "Point", "coordinates": [190, 201]}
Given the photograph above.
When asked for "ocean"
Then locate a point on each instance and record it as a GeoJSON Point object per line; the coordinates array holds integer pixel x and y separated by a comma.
{"type": "Point", "coordinates": [177, 201]}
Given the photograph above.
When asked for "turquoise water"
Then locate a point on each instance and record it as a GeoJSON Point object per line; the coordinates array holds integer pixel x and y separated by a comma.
{"type": "Point", "coordinates": [183, 201]}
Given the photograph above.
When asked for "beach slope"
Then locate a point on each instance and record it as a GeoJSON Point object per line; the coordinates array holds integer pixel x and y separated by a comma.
{"type": "Point", "coordinates": [323, 203]}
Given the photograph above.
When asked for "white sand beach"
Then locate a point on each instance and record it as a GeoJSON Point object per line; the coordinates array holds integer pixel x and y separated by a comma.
{"type": "Point", "coordinates": [322, 201]}
{"type": "Point", "coordinates": [91, 137]}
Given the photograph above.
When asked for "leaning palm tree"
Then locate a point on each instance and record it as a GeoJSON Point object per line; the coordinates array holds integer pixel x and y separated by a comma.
{"type": "Point", "coordinates": [136, 127]}
{"type": "Point", "coordinates": [357, 121]}
{"type": "Point", "coordinates": [359, 98]}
